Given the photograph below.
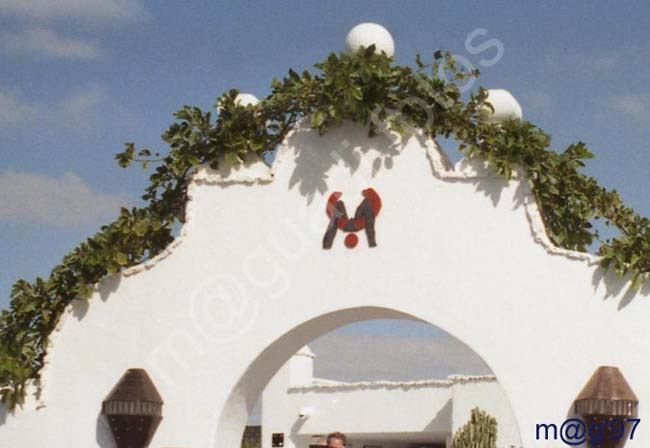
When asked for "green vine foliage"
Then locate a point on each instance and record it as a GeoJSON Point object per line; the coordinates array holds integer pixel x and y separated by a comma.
{"type": "Point", "coordinates": [366, 87]}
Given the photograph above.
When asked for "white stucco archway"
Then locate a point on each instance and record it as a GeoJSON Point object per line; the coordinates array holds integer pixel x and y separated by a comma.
{"type": "Point", "coordinates": [456, 247]}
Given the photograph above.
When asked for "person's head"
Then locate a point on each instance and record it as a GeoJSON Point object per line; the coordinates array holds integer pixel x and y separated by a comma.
{"type": "Point", "coordinates": [336, 440]}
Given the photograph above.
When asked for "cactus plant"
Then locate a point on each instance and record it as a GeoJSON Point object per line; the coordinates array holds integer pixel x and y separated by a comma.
{"type": "Point", "coordinates": [479, 432]}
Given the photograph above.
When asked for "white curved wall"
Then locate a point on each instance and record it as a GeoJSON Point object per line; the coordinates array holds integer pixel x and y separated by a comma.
{"type": "Point", "coordinates": [458, 252]}
{"type": "Point", "coordinates": [379, 413]}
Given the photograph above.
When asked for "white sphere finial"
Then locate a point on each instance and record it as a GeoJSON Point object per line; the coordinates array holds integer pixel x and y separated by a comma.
{"type": "Point", "coordinates": [246, 99]}
{"type": "Point", "coordinates": [367, 34]}
{"type": "Point", "coordinates": [505, 106]}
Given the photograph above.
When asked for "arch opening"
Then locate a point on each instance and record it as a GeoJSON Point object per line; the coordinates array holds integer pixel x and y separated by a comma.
{"type": "Point", "coordinates": [300, 432]}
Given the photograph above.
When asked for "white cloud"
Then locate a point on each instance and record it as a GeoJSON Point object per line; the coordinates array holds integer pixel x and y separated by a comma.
{"type": "Point", "coordinates": [45, 42]}
{"type": "Point", "coordinates": [78, 110]}
{"type": "Point", "coordinates": [634, 106]}
{"type": "Point", "coordinates": [357, 357]}
{"type": "Point", "coordinates": [89, 10]}
{"type": "Point", "coordinates": [61, 202]}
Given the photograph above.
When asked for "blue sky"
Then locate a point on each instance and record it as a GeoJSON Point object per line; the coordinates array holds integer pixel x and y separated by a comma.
{"type": "Point", "coordinates": [79, 79]}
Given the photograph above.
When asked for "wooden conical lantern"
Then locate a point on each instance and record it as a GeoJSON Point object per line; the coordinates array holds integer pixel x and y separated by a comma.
{"type": "Point", "coordinates": [606, 402]}
{"type": "Point", "coordinates": [133, 409]}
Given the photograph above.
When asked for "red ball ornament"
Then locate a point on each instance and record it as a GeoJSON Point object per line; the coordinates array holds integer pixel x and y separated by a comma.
{"type": "Point", "coordinates": [351, 240]}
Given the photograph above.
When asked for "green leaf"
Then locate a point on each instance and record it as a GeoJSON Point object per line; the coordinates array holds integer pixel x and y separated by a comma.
{"type": "Point", "coordinates": [121, 259]}
{"type": "Point", "coordinates": [369, 51]}
{"type": "Point", "coordinates": [231, 158]}
{"type": "Point", "coordinates": [317, 119]}
{"type": "Point", "coordinates": [141, 228]}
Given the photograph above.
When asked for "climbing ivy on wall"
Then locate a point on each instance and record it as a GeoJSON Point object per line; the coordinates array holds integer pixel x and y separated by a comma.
{"type": "Point", "coordinates": [365, 87]}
